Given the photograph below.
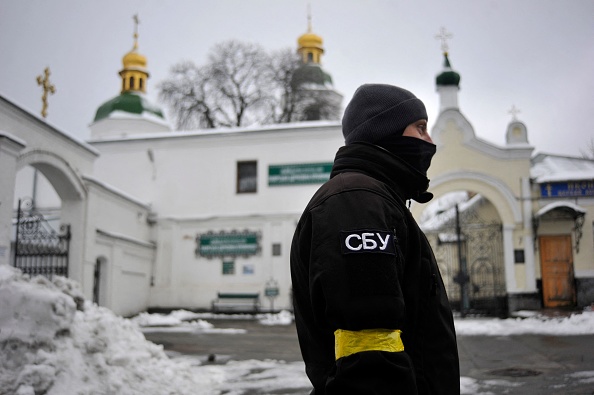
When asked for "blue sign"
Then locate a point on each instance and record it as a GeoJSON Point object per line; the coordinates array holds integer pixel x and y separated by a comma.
{"type": "Point", "coordinates": [567, 189]}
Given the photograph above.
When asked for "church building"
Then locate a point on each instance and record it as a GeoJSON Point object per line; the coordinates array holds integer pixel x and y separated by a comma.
{"type": "Point", "coordinates": [166, 219]}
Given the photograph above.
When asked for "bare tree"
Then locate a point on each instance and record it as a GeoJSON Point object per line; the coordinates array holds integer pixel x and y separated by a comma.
{"type": "Point", "coordinates": [283, 106]}
{"type": "Point", "coordinates": [239, 72]}
{"type": "Point", "coordinates": [186, 94]}
{"type": "Point", "coordinates": [228, 91]}
{"type": "Point", "coordinates": [242, 85]}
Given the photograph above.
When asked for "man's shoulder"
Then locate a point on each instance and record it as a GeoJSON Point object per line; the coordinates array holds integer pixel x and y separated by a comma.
{"type": "Point", "coordinates": [344, 184]}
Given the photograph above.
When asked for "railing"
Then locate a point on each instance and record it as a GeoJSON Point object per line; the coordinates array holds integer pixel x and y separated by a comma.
{"type": "Point", "coordinates": [38, 248]}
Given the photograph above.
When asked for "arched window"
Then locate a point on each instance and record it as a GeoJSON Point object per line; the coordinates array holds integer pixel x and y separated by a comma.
{"type": "Point", "coordinates": [131, 82]}
{"type": "Point", "coordinates": [140, 83]}
{"type": "Point", "coordinates": [310, 57]}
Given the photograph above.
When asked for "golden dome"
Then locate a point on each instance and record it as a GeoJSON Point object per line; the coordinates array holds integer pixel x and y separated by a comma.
{"type": "Point", "coordinates": [134, 60]}
{"type": "Point", "coordinates": [310, 39]}
{"type": "Point", "coordinates": [310, 45]}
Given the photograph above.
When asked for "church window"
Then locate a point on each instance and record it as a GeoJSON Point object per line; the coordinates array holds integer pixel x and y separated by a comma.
{"type": "Point", "coordinates": [140, 83]}
{"type": "Point", "coordinates": [228, 267]}
{"type": "Point", "coordinates": [309, 57]}
{"type": "Point", "coordinates": [131, 82]}
{"type": "Point", "coordinates": [247, 177]}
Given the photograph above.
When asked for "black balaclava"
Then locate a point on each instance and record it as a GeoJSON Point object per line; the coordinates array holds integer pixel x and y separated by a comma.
{"type": "Point", "coordinates": [416, 152]}
{"type": "Point", "coordinates": [378, 114]}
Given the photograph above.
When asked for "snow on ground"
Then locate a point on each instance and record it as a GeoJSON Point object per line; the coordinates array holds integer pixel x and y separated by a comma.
{"type": "Point", "coordinates": [54, 342]}
{"type": "Point", "coordinates": [574, 324]}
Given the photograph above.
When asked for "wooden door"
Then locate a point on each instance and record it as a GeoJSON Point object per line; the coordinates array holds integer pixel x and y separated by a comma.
{"type": "Point", "coordinates": [556, 262]}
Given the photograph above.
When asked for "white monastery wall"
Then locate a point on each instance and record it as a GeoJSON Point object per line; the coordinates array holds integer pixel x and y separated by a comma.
{"type": "Point", "coordinates": [191, 181]}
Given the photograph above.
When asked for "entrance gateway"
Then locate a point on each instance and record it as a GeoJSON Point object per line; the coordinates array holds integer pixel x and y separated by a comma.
{"type": "Point", "coordinates": [471, 264]}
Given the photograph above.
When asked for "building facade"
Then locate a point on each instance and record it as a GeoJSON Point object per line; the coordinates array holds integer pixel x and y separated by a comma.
{"type": "Point", "coordinates": [168, 219]}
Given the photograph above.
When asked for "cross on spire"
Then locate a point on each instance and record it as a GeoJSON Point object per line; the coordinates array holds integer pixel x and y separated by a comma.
{"type": "Point", "coordinates": [444, 36]}
{"type": "Point", "coordinates": [136, 23]}
{"type": "Point", "coordinates": [514, 111]}
{"type": "Point", "coordinates": [309, 17]}
{"type": "Point", "coordinates": [44, 82]}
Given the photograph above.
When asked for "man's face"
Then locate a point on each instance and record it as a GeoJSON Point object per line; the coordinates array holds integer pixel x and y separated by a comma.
{"type": "Point", "coordinates": [419, 130]}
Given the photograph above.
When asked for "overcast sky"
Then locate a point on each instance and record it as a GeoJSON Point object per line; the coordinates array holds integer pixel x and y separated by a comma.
{"type": "Point", "coordinates": [535, 54]}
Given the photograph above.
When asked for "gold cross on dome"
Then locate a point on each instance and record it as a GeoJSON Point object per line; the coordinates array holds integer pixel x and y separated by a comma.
{"type": "Point", "coordinates": [444, 36]}
{"type": "Point", "coordinates": [44, 82]}
{"type": "Point", "coordinates": [136, 23]}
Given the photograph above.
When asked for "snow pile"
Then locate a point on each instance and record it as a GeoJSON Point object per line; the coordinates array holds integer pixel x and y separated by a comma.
{"type": "Point", "coordinates": [575, 324]}
{"type": "Point", "coordinates": [50, 347]}
{"type": "Point", "coordinates": [283, 318]}
{"type": "Point", "coordinates": [183, 320]}
{"type": "Point", "coordinates": [176, 318]}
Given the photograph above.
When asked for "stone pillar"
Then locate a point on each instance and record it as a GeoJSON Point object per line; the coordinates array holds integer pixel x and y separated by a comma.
{"type": "Point", "coordinates": [10, 147]}
{"type": "Point", "coordinates": [528, 237]}
{"type": "Point", "coordinates": [508, 258]}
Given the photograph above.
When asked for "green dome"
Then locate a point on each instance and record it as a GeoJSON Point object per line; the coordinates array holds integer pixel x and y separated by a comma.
{"type": "Point", "coordinates": [129, 102]}
{"type": "Point", "coordinates": [311, 73]}
{"type": "Point", "coordinates": [448, 77]}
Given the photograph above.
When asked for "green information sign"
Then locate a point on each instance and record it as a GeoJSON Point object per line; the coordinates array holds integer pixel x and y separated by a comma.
{"type": "Point", "coordinates": [295, 174]}
{"type": "Point", "coordinates": [228, 244]}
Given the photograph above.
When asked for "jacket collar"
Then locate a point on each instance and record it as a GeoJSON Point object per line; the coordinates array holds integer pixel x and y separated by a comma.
{"type": "Point", "coordinates": [384, 166]}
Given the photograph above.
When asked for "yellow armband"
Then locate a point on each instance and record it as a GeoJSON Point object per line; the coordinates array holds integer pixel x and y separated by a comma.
{"type": "Point", "coordinates": [352, 342]}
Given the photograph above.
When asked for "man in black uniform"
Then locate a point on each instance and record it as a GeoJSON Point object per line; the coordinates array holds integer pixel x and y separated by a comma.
{"type": "Point", "coordinates": [371, 310]}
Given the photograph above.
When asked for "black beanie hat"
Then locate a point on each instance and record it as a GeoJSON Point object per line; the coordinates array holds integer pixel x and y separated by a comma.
{"type": "Point", "coordinates": [377, 111]}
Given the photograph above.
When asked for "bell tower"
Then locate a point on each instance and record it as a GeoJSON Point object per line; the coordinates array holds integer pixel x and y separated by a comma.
{"type": "Point", "coordinates": [134, 74]}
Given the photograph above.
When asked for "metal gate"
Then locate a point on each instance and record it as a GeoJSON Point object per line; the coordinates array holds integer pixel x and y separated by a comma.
{"type": "Point", "coordinates": [38, 248]}
{"type": "Point", "coordinates": [472, 265]}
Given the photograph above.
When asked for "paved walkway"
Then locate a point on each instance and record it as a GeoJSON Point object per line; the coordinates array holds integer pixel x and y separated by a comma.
{"type": "Point", "coordinates": [519, 365]}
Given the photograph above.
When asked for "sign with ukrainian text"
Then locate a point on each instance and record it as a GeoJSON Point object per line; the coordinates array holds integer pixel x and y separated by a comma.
{"type": "Point", "coordinates": [228, 244]}
{"type": "Point", "coordinates": [567, 189]}
{"type": "Point", "coordinates": [296, 174]}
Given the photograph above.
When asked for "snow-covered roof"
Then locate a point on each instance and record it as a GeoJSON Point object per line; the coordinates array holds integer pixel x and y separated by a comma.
{"type": "Point", "coordinates": [226, 130]}
{"type": "Point", "coordinates": [443, 211]}
{"type": "Point", "coordinates": [555, 168]}
{"type": "Point", "coordinates": [561, 204]}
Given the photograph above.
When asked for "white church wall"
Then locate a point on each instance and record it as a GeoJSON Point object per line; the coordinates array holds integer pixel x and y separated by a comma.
{"type": "Point", "coordinates": [196, 173]}
{"type": "Point", "coordinates": [191, 181]}
{"type": "Point", "coordinates": [121, 125]}
{"type": "Point", "coordinates": [119, 236]}
{"type": "Point", "coordinates": [127, 268]}
{"type": "Point", "coordinates": [185, 278]}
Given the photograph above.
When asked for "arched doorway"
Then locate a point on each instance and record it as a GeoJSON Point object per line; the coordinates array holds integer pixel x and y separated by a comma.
{"type": "Point", "coordinates": [49, 216]}
{"type": "Point", "coordinates": [41, 242]}
{"type": "Point", "coordinates": [465, 232]}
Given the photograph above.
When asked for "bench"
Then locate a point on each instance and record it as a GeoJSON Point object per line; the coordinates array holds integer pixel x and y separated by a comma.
{"type": "Point", "coordinates": [236, 302]}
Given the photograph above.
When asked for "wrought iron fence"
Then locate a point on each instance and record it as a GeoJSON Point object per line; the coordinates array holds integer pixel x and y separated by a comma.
{"type": "Point", "coordinates": [482, 248]}
{"type": "Point", "coordinates": [38, 248]}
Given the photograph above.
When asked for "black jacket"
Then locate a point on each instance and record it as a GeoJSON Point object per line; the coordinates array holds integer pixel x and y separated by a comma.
{"type": "Point", "coordinates": [344, 279]}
